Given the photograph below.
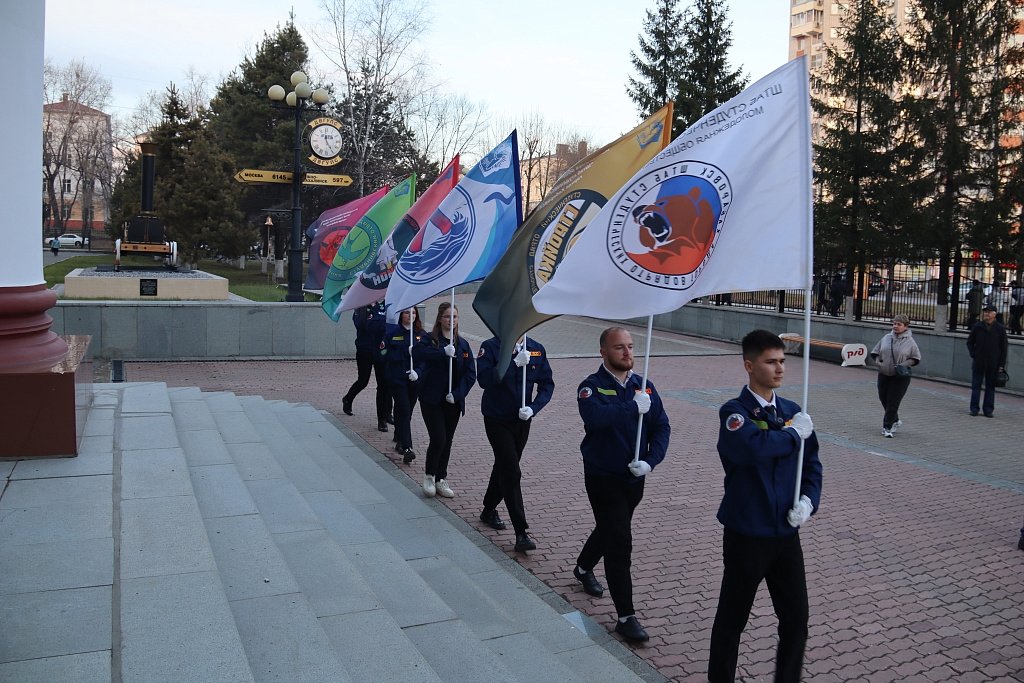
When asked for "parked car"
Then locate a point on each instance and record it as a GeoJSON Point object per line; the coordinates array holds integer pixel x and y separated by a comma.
{"type": "Point", "coordinates": [69, 239]}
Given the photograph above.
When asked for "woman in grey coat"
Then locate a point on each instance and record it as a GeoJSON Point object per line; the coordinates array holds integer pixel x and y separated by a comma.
{"type": "Point", "coordinates": [895, 354]}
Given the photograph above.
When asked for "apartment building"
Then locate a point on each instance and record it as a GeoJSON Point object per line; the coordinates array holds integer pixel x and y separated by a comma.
{"type": "Point", "coordinates": [77, 158]}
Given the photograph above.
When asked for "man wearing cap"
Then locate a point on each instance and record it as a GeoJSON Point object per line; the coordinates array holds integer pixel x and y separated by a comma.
{"type": "Point", "coordinates": [987, 345]}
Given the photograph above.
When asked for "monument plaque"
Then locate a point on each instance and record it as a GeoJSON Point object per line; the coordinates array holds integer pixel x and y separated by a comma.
{"type": "Point", "coordinates": [147, 286]}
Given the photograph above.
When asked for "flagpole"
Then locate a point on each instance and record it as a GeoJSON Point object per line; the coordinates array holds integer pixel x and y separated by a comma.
{"type": "Point", "coordinates": [523, 402]}
{"type": "Point", "coordinates": [412, 333]}
{"type": "Point", "coordinates": [451, 361]}
{"type": "Point", "coordinates": [643, 386]}
{"type": "Point", "coordinates": [809, 284]}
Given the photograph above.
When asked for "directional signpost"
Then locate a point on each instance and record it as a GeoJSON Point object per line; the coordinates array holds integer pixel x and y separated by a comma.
{"type": "Point", "coordinates": [253, 175]}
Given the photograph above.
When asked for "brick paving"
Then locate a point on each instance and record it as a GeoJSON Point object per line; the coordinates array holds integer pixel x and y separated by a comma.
{"type": "Point", "coordinates": [912, 563]}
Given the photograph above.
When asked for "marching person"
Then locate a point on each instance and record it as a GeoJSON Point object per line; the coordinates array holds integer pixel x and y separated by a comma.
{"type": "Point", "coordinates": [988, 346]}
{"type": "Point", "coordinates": [370, 325]}
{"type": "Point", "coordinates": [402, 376]}
{"type": "Point", "coordinates": [759, 439]}
{"type": "Point", "coordinates": [610, 402]}
{"type": "Point", "coordinates": [440, 403]}
{"type": "Point", "coordinates": [895, 353]}
{"type": "Point", "coordinates": [507, 424]}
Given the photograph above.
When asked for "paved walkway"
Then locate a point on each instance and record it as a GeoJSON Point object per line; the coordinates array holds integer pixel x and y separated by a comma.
{"type": "Point", "coordinates": [912, 565]}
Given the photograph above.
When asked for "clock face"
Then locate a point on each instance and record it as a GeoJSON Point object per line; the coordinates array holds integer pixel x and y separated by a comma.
{"type": "Point", "coordinates": [325, 141]}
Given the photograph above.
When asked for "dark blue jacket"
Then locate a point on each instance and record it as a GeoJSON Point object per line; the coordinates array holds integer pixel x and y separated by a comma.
{"type": "Point", "coordinates": [370, 326]}
{"type": "Point", "coordinates": [503, 397]}
{"type": "Point", "coordinates": [759, 456]}
{"type": "Point", "coordinates": [432, 365]}
{"type": "Point", "coordinates": [610, 419]}
{"type": "Point", "coordinates": [395, 349]}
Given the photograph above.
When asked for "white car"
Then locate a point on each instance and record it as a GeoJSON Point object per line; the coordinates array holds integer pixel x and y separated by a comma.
{"type": "Point", "coordinates": [69, 239]}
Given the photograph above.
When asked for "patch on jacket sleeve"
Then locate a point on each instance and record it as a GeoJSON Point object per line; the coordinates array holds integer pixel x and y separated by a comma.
{"type": "Point", "coordinates": [480, 353]}
{"type": "Point", "coordinates": [586, 392]}
{"type": "Point", "coordinates": [734, 422]}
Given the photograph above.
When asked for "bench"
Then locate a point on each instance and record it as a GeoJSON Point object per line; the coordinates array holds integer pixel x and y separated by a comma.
{"type": "Point", "coordinates": [821, 349]}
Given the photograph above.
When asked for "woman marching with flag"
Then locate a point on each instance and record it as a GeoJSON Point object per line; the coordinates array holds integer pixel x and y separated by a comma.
{"type": "Point", "coordinates": [402, 376]}
{"type": "Point", "coordinates": [448, 372]}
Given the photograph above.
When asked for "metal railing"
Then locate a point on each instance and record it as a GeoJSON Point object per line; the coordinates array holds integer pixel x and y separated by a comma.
{"type": "Point", "coordinates": [917, 299]}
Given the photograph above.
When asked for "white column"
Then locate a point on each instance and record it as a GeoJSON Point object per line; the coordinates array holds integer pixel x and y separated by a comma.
{"type": "Point", "coordinates": [26, 343]}
{"type": "Point", "coordinates": [21, 143]}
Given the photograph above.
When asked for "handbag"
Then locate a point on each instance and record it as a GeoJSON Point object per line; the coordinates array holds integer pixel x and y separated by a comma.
{"type": "Point", "coordinates": [901, 370]}
{"type": "Point", "coordinates": [1002, 377]}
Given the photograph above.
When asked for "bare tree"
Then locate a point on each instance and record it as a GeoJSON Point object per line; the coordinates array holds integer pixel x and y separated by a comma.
{"type": "Point", "coordinates": [370, 43]}
{"type": "Point", "coordinates": [446, 124]}
{"type": "Point", "coordinates": [76, 137]}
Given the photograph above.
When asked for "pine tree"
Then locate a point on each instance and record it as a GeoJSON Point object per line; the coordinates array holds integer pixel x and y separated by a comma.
{"type": "Point", "coordinates": [969, 98]}
{"type": "Point", "coordinates": [705, 80]}
{"type": "Point", "coordinates": [205, 214]}
{"type": "Point", "coordinates": [869, 205]}
{"type": "Point", "coordinates": [659, 65]}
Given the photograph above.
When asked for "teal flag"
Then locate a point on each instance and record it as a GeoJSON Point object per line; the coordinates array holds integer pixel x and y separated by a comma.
{"type": "Point", "coordinates": [363, 241]}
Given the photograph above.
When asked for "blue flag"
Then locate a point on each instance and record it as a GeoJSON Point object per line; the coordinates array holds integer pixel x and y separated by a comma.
{"type": "Point", "coordinates": [466, 235]}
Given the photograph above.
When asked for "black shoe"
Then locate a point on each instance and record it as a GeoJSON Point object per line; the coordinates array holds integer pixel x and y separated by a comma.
{"type": "Point", "coordinates": [524, 543]}
{"type": "Point", "coordinates": [989, 415]}
{"type": "Point", "coordinates": [589, 581]}
{"type": "Point", "coordinates": [382, 426]}
{"type": "Point", "coordinates": [491, 519]}
{"type": "Point", "coordinates": [1020, 543]}
{"type": "Point", "coordinates": [390, 419]}
{"type": "Point", "coordinates": [974, 413]}
{"type": "Point", "coordinates": [408, 455]}
{"type": "Point", "coordinates": [346, 406]}
{"type": "Point", "coordinates": [631, 630]}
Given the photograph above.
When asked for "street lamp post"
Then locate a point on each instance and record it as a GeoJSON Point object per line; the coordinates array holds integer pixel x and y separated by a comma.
{"type": "Point", "coordinates": [297, 99]}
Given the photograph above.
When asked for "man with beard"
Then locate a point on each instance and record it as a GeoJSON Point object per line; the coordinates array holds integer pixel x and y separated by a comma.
{"type": "Point", "coordinates": [611, 402]}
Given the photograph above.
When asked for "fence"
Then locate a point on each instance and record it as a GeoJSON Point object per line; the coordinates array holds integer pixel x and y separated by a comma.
{"type": "Point", "coordinates": [917, 299]}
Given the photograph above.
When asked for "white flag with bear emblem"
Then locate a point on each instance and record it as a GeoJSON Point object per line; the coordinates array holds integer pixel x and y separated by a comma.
{"type": "Point", "coordinates": [726, 207]}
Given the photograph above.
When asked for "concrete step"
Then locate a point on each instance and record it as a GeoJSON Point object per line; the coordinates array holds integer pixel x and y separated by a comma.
{"type": "Point", "coordinates": [206, 536]}
{"type": "Point", "coordinates": [511, 620]}
{"type": "Point", "coordinates": [175, 619]}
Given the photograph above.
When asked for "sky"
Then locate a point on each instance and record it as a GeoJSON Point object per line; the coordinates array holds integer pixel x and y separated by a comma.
{"type": "Point", "coordinates": [567, 60]}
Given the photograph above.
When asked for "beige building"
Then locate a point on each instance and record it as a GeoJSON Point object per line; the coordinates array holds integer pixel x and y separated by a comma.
{"type": "Point", "coordinates": [538, 173]}
{"type": "Point", "coordinates": [77, 158]}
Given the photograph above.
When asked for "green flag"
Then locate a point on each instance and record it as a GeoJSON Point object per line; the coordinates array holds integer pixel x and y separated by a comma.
{"type": "Point", "coordinates": [363, 242]}
{"type": "Point", "coordinates": [504, 299]}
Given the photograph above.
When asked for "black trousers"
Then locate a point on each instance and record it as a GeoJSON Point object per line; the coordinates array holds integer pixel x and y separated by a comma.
{"type": "Point", "coordinates": [441, 420]}
{"type": "Point", "coordinates": [1016, 313]}
{"type": "Point", "coordinates": [366, 362]}
{"type": "Point", "coordinates": [508, 441]}
{"type": "Point", "coordinates": [983, 375]}
{"type": "Point", "coordinates": [404, 395]}
{"type": "Point", "coordinates": [613, 501]}
{"type": "Point", "coordinates": [749, 560]}
{"type": "Point", "coordinates": [891, 391]}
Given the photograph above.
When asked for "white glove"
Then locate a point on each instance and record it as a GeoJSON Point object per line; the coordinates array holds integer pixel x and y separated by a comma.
{"type": "Point", "coordinates": [639, 468]}
{"type": "Point", "coordinates": [521, 358]}
{"type": "Point", "coordinates": [802, 425]}
{"type": "Point", "coordinates": [449, 351]}
{"type": "Point", "coordinates": [801, 512]}
{"type": "Point", "coordinates": [643, 401]}
{"type": "Point", "coordinates": [411, 374]}
{"type": "Point", "coordinates": [450, 398]}
{"type": "Point", "coordinates": [525, 413]}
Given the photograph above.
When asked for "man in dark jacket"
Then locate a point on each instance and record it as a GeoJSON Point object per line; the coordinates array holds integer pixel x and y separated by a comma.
{"type": "Point", "coordinates": [508, 415]}
{"type": "Point", "coordinates": [759, 442]}
{"type": "Point", "coordinates": [988, 346]}
{"type": "Point", "coordinates": [369, 322]}
{"type": "Point", "coordinates": [614, 403]}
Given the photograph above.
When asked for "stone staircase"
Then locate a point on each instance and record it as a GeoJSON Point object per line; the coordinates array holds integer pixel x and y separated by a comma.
{"type": "Point", "coordinates": [253, 540]}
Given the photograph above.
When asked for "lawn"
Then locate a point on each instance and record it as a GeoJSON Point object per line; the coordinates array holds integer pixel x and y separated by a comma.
{"type": "Point", "coordinates": [249, 283]}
